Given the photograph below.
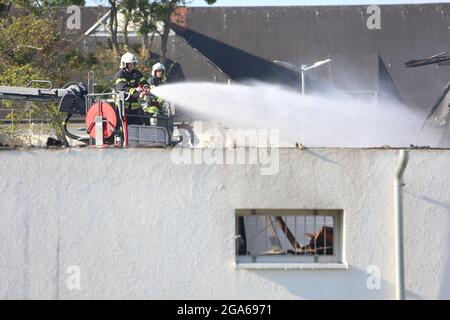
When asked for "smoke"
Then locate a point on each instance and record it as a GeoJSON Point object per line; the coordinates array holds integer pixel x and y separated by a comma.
{"type": "Point", "coordinates": [331, 120]}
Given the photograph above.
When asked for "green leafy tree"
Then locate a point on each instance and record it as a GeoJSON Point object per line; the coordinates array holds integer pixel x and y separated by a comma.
{"type": "Point", "coordinates": [63, 2]}
{"type": "Point", "coordinates": [146, 14]}
{"type": "Point", "coordinates": [127, 7]}
{"type": "Point", "coordinates": [145, 18]}
{"type": "Point", "coordinates": [113, 25]}
{"type": "Point", "coordinates": [31, 48]}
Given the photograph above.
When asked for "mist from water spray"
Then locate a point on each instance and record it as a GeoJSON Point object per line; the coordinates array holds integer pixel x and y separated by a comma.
{"type": "Point", "coordinates": [331, 120]}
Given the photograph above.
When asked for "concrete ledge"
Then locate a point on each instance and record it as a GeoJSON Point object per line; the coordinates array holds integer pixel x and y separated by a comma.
{"type": "Point", "coordinates": [292, 266]}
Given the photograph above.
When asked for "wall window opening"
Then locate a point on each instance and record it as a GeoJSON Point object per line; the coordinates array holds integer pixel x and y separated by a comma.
{"type": "Point", "coordinates": [297, 236]}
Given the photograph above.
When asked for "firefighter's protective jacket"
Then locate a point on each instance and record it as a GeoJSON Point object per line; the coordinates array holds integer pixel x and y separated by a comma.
{"type": "Point", "coordinates": [129, 81]}
{"type": "Point", "coordinates": [155, 81]}
{"type": "Point", "coordinates": [156, 102]}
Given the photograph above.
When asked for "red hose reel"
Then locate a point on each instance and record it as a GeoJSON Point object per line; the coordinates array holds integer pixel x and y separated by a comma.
{"type": "Point", "coordinates": [109, 115]}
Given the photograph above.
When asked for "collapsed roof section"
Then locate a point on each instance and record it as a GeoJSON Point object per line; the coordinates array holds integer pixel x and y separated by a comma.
{"type": "Point", "coordinates": [439, 113]}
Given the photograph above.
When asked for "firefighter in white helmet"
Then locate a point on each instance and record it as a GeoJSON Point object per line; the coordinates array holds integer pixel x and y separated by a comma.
{"type": "Point", "coordinates": [130, 79]}
{"type": "Point", "coordinates": [157, 78]}
{"type": "Point", "coordinates": [158, 75]}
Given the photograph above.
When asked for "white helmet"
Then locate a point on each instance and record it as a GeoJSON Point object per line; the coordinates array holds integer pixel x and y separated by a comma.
{"type": "Point", "coordinates": [127, 58]}
{"type": "Point", "coordinates": [156, 67]}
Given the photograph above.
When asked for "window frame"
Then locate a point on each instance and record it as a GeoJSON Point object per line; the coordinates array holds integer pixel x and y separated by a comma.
{"type": "Point", "coordinates": [321, 261]}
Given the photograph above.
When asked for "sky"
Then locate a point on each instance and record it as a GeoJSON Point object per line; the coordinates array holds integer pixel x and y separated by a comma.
{"type": "Point", "coordinates": [220, 3]}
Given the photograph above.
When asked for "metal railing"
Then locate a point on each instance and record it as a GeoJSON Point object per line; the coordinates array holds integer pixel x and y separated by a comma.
{"type": "Point", "coordinates": [4, 112]}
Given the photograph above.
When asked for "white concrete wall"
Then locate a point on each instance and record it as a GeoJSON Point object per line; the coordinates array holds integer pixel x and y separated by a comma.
{"type": "Point", "coordinates": [139, 226]}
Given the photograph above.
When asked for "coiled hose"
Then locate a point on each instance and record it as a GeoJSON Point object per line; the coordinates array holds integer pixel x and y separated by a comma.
{"type": "Point", "coordinates": [71, 135]}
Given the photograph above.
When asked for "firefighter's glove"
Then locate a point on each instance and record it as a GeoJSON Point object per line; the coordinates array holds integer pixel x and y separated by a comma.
{"type": "Point", "coordinates": [142, 94]}
{"type": "Point", "coordinates": [152, 110]}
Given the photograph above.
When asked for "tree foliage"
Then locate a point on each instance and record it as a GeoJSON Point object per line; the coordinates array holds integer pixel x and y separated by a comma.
{"type": "Point", "coordinates": [146, 14]}
{"type": "Point", "coordinates": [63, 2]}
{"type": "Point", "coordinates": [31, 48]}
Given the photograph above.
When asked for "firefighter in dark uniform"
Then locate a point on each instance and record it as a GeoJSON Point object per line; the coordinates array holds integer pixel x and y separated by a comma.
{"type": "Point", "coordinates": [158, 75]}
{"type": "Point", "coordinates": [132, 81]}
{"type": "Point", "coordinates": [157, 78]}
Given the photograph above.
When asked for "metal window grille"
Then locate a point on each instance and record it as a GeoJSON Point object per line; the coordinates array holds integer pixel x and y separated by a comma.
{"type": "Point", "coordinates": [309, 236]}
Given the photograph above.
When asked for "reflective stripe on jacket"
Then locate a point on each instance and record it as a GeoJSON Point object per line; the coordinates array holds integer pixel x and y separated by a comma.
{"type": "Point", "coordinates": [129, 81]}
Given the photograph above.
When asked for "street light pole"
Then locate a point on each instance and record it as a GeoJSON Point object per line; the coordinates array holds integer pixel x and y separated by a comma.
{"type": "Point", "coordinates": [302, 69]}
{"type": "Point", "coordinates": [303, 78]}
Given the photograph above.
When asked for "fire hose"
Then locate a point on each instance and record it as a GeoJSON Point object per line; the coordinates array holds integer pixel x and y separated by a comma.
{"type": "Point", "coordinates": [73, 103]}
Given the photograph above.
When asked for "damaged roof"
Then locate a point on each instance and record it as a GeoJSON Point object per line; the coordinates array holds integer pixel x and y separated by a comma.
{"type": "Point", "coordinates": [244, 41]}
